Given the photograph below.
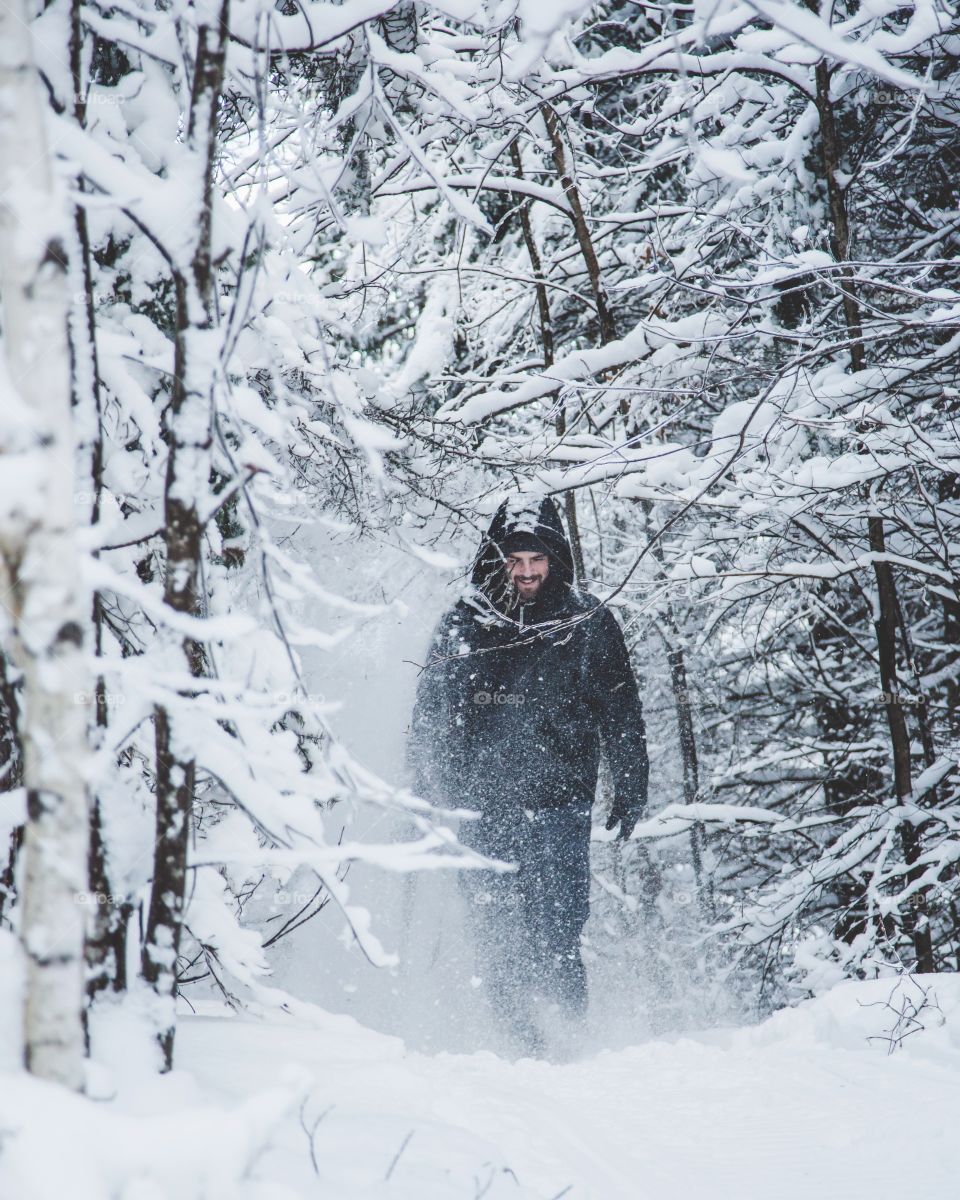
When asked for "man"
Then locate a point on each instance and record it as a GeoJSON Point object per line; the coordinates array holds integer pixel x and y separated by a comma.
{"type": "Point", "coordinates": [526, 677]}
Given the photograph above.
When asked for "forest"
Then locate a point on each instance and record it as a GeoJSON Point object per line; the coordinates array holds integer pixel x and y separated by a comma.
{"type": "Point", "coordinates": [294, 296]}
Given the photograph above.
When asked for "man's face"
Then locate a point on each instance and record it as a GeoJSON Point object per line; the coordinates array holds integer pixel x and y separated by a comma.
{"type": "Point", "coordinates": [528, 572]}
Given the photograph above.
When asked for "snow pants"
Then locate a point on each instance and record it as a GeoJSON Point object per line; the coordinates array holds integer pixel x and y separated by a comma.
{"type": "Point", "coordinates": [526, 923]}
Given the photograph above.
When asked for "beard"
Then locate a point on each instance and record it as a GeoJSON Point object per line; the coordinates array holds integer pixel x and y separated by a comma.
{"type": "Point", "coordinates": [528, 590]}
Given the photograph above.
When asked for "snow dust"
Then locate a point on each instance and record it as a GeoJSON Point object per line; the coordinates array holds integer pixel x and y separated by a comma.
{"type": "Point", "coordinates": [649, 982]}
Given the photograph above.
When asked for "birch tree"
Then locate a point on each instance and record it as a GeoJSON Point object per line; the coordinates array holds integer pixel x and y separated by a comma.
{"type": "Point", "coordinates": [45, 604]}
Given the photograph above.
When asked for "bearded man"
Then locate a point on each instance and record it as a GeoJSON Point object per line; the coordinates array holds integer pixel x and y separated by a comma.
{"type": "Point", "coordinates": [527, 677]}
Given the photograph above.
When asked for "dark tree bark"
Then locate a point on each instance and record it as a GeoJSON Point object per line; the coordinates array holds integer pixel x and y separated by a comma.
{"type": "Point", "coordinates": [686, 735]}
{"type": "Point", "coordinates": [831, 154]}
{"type": "Point", "coordinates": [547, 341]}
{"type": "Point", "coordinates": [11, 747]}
{"type": "Point", "coordinates": [188, 428]}
{"type": "Point", "coordinates": [916, 922]}
{"type": "Point", "coordinates": [605, 321]}
{"type": "Point", "coordinates": [106, 933]}
{"type": "Point", "coordinates": [11, 776]}
{"type": "Point", "coordinates": [607, 333]}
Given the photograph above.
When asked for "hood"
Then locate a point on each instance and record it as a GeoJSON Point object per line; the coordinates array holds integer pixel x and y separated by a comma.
{"type": "Point", "coordinates": [522, 522]}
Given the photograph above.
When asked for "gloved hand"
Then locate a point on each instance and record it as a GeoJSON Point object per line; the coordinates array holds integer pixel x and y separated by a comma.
{"type": "Point", "coordinates": [626, 817]}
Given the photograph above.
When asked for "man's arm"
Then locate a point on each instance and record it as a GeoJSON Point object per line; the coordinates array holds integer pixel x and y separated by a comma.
{"type": "Point", "coordinates": [428, 741]}
{"type": "Point", "coordinates": [620, 716]}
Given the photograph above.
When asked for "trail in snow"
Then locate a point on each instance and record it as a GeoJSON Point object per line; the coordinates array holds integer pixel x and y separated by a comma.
{"type": "Point", "coordinates": [803, 1106]}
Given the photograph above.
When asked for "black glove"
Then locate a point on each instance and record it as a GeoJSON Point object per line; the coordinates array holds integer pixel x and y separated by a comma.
{"type": "Point", "coordinates": [626, 817]}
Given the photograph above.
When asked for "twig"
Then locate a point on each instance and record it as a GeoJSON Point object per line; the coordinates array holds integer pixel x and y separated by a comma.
{"type": "Point", "coordinates": [396, 1157]}
{"type": "Point", "coordinates": [312, 1133]}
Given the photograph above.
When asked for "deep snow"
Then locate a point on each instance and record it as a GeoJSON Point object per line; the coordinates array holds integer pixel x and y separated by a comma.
{"type": "Point", "coordinates": [803, 1106]}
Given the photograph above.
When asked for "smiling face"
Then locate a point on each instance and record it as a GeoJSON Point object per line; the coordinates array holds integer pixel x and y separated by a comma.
{"type": "Point", "coordinates": [528, 571]}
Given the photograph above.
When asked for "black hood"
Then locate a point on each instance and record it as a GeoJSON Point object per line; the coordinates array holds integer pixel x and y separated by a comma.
{"type": "Point", "coordinates": [522, 523]}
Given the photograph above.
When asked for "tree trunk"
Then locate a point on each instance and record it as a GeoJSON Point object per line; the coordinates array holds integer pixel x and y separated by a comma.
{"type": "Point", "coordinates": [11, 778]}
{"type": "Point", "coordinates": [571, 193]}
{"type": "Point", "coordinates": [676, 660]}
{"type": "Point", "coordinates": [830, 151]}
{"type": "Point", "coordinates": [47, 608]}
{"type": "Point", "coordinates": [608, 332]}
{"type": "Point", "coordinates": [916, 921]}
{"type": "Point", "coordinates": [105, 948]}
{"type": "Point", "coordinates": [546, 339]}
{"type": "Point", "coordinates": [189, 420]}
{"type": "Point", "coordinates": [11, 749]}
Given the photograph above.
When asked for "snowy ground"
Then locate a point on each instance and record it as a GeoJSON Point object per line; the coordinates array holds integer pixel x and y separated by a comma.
{"type": "Point", "coordinates": [803, 1106]}
{"type": "Point", "coordinates": [320, 1107]}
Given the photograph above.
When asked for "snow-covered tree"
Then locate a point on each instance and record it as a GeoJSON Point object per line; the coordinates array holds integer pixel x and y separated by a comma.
{"type": "Point", "coordinates": [370, 266]}
{"type": "Point", "coordinates": [44, 601]}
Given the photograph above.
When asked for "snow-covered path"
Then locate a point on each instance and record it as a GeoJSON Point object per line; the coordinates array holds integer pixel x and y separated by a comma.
{"type": "Point", "coordinates": [800, 1107]}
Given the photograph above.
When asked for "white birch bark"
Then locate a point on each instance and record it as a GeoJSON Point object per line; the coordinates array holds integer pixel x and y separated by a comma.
{"type": "Point", "coordinates": [44, 607]}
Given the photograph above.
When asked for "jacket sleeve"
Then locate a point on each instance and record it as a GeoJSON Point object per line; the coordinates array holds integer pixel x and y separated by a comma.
{"type": "Point", "coordinates": [428, 741]}
{"type": "Point", "coordinates": [620, 716]}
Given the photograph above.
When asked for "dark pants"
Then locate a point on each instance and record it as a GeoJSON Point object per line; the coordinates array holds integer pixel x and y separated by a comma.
{"type": "Point", "coordinates": [527, 923]}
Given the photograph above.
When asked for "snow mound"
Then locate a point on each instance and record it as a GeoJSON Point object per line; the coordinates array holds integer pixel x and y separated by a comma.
{"type": "Point", "coordinates": [918, 1014]}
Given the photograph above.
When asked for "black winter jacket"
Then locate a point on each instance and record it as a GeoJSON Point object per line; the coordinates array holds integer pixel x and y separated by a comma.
{"type": "Point", "coordinates": [515, 700]}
